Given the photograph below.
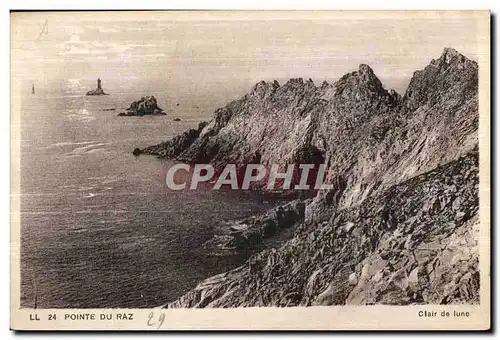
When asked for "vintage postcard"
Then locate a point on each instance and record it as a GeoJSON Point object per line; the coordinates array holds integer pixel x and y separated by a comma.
{"type": "Point", "coordinates": [246, 170]}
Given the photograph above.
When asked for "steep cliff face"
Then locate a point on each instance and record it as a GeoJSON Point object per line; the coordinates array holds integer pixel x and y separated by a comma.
{"type": "Point", "coordinates": [403, 167]}
{"type": "Point", "coordinates": [371, 138]}
{"type": "Point", "coordinates": [414, 243]}
{"type": "Point", "coordinates": [435, 122]}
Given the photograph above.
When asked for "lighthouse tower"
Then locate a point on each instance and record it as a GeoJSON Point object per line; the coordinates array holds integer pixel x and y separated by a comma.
{"type": "Point", "coordinates": [98, 91]}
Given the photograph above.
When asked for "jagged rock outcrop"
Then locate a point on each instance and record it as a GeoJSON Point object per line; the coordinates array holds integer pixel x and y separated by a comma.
{"type": "Point", "coordinates": [145, 106]}
{"type": "Point", "coordinates": [96, 92]}
{"type": "Point", "coordinates": [174, 147]}
{"type": "Point", "coordinates": [414, 243]}
{"type": "Point", "coordinates": [243, 236]}
{"type": "Point", "coordinates": [398, 225]}
{"type": "Point", "coordinates": [447, 81]}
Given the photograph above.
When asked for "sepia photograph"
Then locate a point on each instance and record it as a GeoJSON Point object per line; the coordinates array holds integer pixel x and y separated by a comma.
{"type": "Point", "coordinates": [250, 162]}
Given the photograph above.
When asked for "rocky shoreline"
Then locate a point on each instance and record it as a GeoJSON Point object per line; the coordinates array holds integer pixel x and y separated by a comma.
{"type": "Point", "coordinates": [401, 247]}
{"type": "Point", "coordinates": [245, 235]}
{"type": "Point", "coordinates": [399, 225]}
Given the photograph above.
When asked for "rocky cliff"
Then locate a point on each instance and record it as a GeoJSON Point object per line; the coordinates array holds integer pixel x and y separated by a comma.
{"type": "Point", "coordinates": [399, 225]}
{"type": "Point", "coordinates": [414, 243]}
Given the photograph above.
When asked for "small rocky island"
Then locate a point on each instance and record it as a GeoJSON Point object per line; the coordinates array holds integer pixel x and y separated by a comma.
{"type": "Point", "coordinates": [98, 91]}
{"type": "Point", "coordinates": [145, 106]}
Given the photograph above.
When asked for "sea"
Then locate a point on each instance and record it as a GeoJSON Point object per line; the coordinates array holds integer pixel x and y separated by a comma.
{"type": "Point", "coordinates": [99, 227]}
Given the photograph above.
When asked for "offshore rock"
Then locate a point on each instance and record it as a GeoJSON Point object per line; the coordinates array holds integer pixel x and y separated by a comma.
{"type": "Point", "coordinates": [96, 92]}
{"type": "Point", "coordinates": [137, 152]}
{"type": "Point", "coordinates": [144, 106]}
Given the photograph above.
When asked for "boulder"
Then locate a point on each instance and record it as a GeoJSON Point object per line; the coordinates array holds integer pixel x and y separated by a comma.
{"type": "Point", "coordinates": [136, 152]}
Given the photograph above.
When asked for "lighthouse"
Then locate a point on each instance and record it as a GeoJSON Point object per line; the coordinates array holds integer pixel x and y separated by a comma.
{"type": "Point", "coordinates": [98, 91]}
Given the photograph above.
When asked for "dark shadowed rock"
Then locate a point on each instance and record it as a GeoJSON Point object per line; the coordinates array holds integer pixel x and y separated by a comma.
{"type": "Point", "coordinates": [442, 82]}
{"type": "Point", "coordinates": [242, 236]}
{"type": "Point", "coordinates": [144, 106]}
{"type": "Point", "coordinates": [358, 257]}
{"type": "Point", "coordinates": [137, 152]}
{"type": "Point", "coordinates": [97, 92]}
{"type": "Point", "coordinates": [172, 148]}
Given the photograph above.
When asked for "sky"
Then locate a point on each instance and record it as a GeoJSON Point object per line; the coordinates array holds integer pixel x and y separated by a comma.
{"type": "Point", "coordinates": [219, 56]}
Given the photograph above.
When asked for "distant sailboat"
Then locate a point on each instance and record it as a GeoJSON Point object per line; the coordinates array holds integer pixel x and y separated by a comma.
{"type": "Point", "coordinates": [32, 88]}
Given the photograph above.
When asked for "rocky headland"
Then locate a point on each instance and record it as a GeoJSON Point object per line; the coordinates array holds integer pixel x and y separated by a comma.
{"type": "Point", "coordinates": [144, 106]}
{"type": "Point", "coordinates": [400, 224]}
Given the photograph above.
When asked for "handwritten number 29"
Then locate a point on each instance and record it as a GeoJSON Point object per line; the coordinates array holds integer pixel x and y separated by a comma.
{"type": "Point", "coordinates": [152, 321]}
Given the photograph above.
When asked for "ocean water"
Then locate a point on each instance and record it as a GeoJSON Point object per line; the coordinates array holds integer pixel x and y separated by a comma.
{"type": "Point", "coordinates": [99, 227]}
